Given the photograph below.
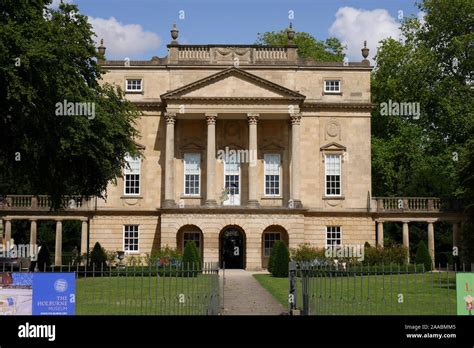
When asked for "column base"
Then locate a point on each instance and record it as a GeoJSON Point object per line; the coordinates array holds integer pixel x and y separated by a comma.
{"type": "Point", "coordinates": [211, 203]}
{"type": "Point", "coordinates": [169, 203]}
{"type": "Point", "coordinates": [253, 203]}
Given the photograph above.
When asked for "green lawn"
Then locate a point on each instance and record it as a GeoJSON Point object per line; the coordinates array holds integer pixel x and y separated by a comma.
{"type": "Point", "coordinates": [405, 294]}
{"type": "Point", "coordinates": [147, 295]}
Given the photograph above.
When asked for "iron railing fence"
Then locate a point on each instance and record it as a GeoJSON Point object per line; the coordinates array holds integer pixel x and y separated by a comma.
{"type": "Point", "coordinates": [373, 290]}
{"type": "Point", "coordinates": [143, 290]}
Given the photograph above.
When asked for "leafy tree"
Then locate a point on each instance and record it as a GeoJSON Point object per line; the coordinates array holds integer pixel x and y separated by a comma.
{"type": "Point", "coordinates": [432, 66]}
{"type": "Point", "coordinates": [422, 256]}
{"type": "Point", "coordinates": [191, 257]}
{"type": "Point", "coordinates": [98, 257]}
{"type": "Point", "coordinates": [281, 258]}
{"type": "Point", "coordinates": [47, 56]}
{"type": "Point", "coordinates": [329, 50]}
{"type": "Point", "coordinates": [44, 258]}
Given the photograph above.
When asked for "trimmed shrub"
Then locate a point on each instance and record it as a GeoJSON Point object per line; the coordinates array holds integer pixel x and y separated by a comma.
{"type": "Point", "coordinates": [191, 256]}
{"type": "Point", "coordinates": [423, 255]}
{"type": "Point", "coordinates": [44, 259]}
{"type": "Point", "coordinates": [305, 253]}
{"type": "Point", "coordinates": [98, 257]}
{"type": "Point", "coordinates": [281, 258]}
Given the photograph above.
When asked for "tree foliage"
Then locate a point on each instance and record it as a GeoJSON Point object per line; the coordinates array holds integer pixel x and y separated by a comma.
{"type": "Point", "coordinates": [433, 67]}
{"type": "Point", "coordinates": [191, 259]}
{"type": "Point", "coordinates": [280, 258]}
{"type": "Point", "coordinates": [47, 56]}
{"type": "Point", "coordinates": [329, 50]}
{"type": "Point", "coordinates": [98, 257]}
{"type": "Point", "coordinates": [422, 256]}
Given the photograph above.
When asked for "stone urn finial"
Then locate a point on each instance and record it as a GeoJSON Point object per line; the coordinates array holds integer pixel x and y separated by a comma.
{"type": "Point", "coordinates": [174, 33]}
{"type": "Point", "coordinates": [365, 51]}
{"type": "Point", "coordinates": [290, 34]}
{"type": "Point", "coordinates": [101, 48]}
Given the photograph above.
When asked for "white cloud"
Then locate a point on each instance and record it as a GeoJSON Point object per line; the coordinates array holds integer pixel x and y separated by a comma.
{"type": "Point", "coordinates": [123, 40]}
{"type": "Point", "coordinates": [352, 26]}
{"type": "Point", "coordinates": [55, 3]}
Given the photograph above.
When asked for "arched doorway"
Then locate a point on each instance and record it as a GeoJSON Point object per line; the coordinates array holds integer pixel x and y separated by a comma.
{"type": "Point", "coordinates": [269, 236]}
{"type": "Point", "coordinates": [232, 247]}
{"type": "Point", "coordinates": [189, 233]}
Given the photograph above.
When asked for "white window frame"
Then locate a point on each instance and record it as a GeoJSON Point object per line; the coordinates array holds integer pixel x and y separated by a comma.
{"type": "Point", "coordinates": [265, 175]}
{"type": "Point", "coordinates": [274, 240]}
{"type": "Point", "coordinates": [227, 172]}
{"type": "Point", "coordinates": [333, 229]}
{"type": "Point", "coordinates": [198, 174]}
{"type": "Point", "coordinates": [134, 90]}
{"type": "Point", "coordinates": [326, 175]}
{"type": "Point", "coordinates": [330, 91]}
{"type": "Point", "coordinates": [128, 171]}
{"type": "Point", "coordinates": [138, 239]}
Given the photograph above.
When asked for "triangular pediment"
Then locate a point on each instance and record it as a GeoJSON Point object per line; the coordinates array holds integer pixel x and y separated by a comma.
{"type": "Point", "coordinates": [233, 83]}
{"type": "Point", "coordinates": [333, 147]}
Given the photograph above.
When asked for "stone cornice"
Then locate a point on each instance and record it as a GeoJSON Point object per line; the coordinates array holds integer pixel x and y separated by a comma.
{"type": "Point", "coordinates": [331, 106]}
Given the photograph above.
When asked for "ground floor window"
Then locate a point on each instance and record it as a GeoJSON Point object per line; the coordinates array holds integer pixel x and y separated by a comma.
{"type": "Point", "coordinates": [130, 238]}
{"type": "Point", "coordinates": [333, 235]}
{"type": "Point", "coordinates": [269, 238]}
{"type": "Point", "coordinates": [192, 236]}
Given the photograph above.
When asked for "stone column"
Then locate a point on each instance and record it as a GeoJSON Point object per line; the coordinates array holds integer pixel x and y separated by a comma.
{"type": "Point", "coordinates": [58, 252]}
{"type": "Point", "coordinates": [211, 159]}
{"type": "Point", "coordinates": [380, 234]}
{"type": "Point", "coordinates": [8, 231]}
{"type": "Point", "coordinates": [406, 239]}
{"type": "Point", "coordinates": [252, 119]}
{"type": "Point", "coordinates": [431, 246]}
{"type": "Point", "coordinates": [83, 249]}
{"type": "Point", "coordinates": [33, 231]}
{"type": "Point", "coordinates": [456, 236]}
{"type": "Point", "coordinates": [170, 118]}
{"type": "Point", "coordinates": [295, 159]}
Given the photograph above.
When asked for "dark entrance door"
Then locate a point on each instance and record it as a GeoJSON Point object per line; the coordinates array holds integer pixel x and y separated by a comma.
{"type": "Point", "coordinates": [232, 248]}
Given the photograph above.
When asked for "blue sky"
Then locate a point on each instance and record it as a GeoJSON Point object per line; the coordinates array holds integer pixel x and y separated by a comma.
{"type": "Point", "coordinates": [139, 29]}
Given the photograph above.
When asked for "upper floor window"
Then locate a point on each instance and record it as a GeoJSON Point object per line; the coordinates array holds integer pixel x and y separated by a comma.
{"type": "Point", "coordinates": [333, 175]}
{"type": "Point", "coordinates": [132, 175]}
{"type": "Point", "coordinates": [272, 174]}
{"type": "Point", "coordinates": [332, 86]}
{"type": "Point", "coordinates": [192, 174]}
{"type": "Point", "coordinates": [333, 236]}
{"type": "Point", "coordinates": [133, 85]}
{"type": "Point", "coordinates": [130, 238]}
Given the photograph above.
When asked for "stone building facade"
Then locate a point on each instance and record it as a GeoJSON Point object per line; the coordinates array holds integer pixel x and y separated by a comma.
{"type": "Point", "coordinates": [242, 145]}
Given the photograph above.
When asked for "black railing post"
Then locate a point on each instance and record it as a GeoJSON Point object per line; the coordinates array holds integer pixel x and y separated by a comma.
{"type": "Point", "coordinates": [292, 278]}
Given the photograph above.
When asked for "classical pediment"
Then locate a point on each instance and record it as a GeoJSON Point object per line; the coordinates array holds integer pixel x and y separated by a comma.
{"type": "Point", "coordinates": [233, 84]}
{"type": "Point", "coordinates": [333, 147]}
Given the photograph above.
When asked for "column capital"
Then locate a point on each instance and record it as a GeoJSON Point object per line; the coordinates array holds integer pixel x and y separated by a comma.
{"type": "Point", "coordinates": [170, 117]}
{"type": "Point", "coordinates": [211, 118]}
{"type": "Point", "coordinates": [431, 221]}
{"type": "Point", "coordinates": [252, 117]}
{"type": "Point", "coordinates": [33, 219]}
{"type": "Point", "coordinates": [295, 118]}
{"type": "Point", "coordinates": [7, 219]}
